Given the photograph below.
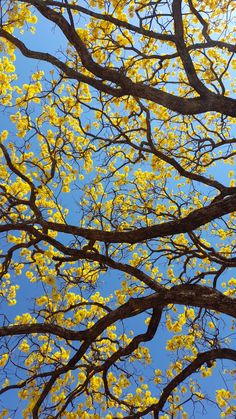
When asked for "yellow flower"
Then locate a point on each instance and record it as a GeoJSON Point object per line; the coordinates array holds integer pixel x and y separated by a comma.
{"type": "Point", "coordinates": [4, 359]}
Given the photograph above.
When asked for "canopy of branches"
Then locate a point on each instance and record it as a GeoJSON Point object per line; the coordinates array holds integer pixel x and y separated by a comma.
{"type": "Point", "coordinates": [118, 204]}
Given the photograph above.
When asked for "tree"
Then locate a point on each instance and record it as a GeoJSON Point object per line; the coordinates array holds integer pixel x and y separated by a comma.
{"type": "Point", "coordinates": [118, 207]}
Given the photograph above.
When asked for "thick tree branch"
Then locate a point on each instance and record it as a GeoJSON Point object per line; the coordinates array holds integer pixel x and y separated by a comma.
{"type": "Point", "coordinates": [183, 51]}
{"type": "Point", "coordinates": [126, 87]}
{"type": "Point", "coordinates": [53, 329]}
{"type": "Point", "coordinates": [194, 220]}
{"type": "Point", "coordinates": [190, 295]}
{"type": "Point", "coordinates": [193, 367]}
